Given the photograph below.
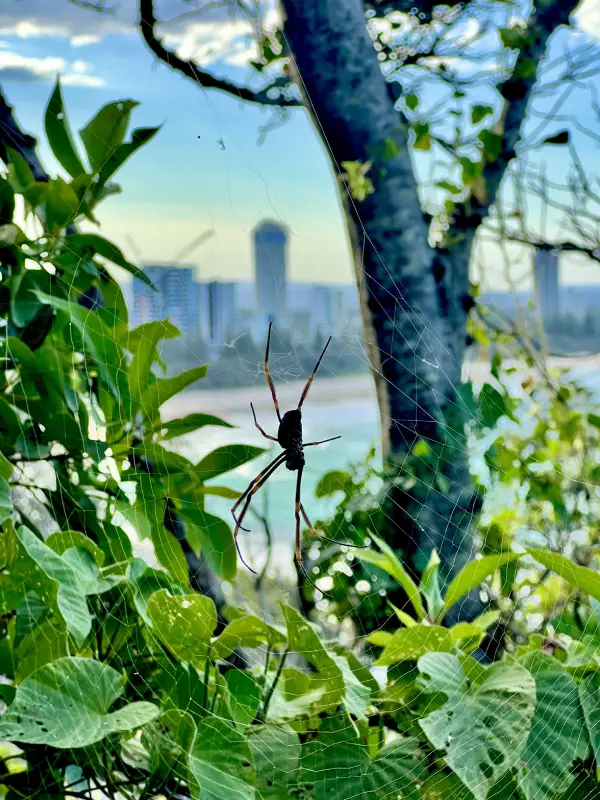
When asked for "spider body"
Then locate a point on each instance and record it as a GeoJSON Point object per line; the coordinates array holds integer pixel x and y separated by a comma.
{"type": "Point", "coordinates": [289, 437]}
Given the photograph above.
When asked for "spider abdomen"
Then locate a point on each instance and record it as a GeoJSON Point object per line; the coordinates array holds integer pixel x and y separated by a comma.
{"type": "Point", "coordinates": [289, 437]}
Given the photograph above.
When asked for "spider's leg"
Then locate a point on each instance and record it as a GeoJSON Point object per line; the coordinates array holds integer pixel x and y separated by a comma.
{"type": "Point", "coordinates": [268, 374]}
{"type": "Point", "coordinates": [280, 458]}
{"type": "Point", "coordinates": [266, 435]}
{"type": "Point", "coordinates": [298, 510]}
{"type": "Point", "coordinates": [312, 444]}
{"type": "Point", "coordinates": [259, 481]}
{"type": "Point", "coordinates": [312, 377]}
{"type": "Point", "coordinates": [319, 535]}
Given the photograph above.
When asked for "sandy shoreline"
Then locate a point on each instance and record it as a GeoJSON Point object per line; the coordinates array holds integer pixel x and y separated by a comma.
{"type": "Point", "coordinates": [325, 390]}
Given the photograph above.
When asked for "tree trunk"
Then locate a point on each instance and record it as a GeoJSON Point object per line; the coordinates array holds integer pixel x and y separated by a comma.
{"type": "Point", "coordinates": [410, 293]}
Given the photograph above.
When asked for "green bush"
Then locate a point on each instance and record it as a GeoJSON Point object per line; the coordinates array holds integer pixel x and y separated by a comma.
{"type": "Point", "coordinates": [116, 675]}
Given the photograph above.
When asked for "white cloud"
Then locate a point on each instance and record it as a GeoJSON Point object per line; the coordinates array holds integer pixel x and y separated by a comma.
{"type": "Point", "coordinates": [85, 39]}
{"type": "Point", "coordinates": [27, 68]}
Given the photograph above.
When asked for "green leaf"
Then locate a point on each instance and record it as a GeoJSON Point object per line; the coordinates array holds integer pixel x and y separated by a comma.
{"type": "Point", "coordinates": [64, 583]}
{"type": "Point", "coordinates": [492, 405]}
{"type": "Point", "coordinates": [188, 424]}
{"type": "Point", "coordinates": [340, 766]}
{"type": "Point", "coordinates": [276, 754]}
{"type": "Point", "coordinates": [59, 134]}
{"type": "Point", "coordinates": [479, 112]}
{"type": "Point", "coordinates": [247, 631]}
{"type": "Point", "coordinates": [105, 132]}
{"type": "Point", "coordinates": [7, 202]}
{"type": "Point", "coordinates": [559, 138]}
{"type": "Point", "coordinates": [483, 727]}
{"type": "Point", "coordinates": [169, 553]}
{"type": "Point", "coordinates": [304, 640]}
{"type": "Point", "coordinates": [225, 459]}
{"type": "Point", "coordinates": [388, 561]}
{"type": "Point", "coordinates": [332, 482]}
{"type": "Point", "coordinates": [471, 575]}
{"type": "Point", "coordinates": [6, 503]}
{"type": "Point", "coordinates": [142, 342]}
{"type": "Point", "coordinates": [511, 37]}
{"type": "Point", "coordinates": [66, 704]}
{"type": "Point", "coordinates": [220, 763]}
{"type": "Point", "coordinates": [422, 137]}
{"type": "Point", "coordinates": [409, 644]}
{"type": "Point", "coordinates": [582, 578]}
{"type": "Point", "coordinates": [87, 245]}
{"type": "Point", "coordinates": [120, 154]}
{"type": "Point", "coordinates": [430, 586]}
{"type": "Point", "coordinates": [558, 734]}
{"type": "Point", "coordinates": [244, 696]}
{"type": "Point", "coordinates": [589, 697]}
{"type": "Point", "coordinates": [449, 187]}
{"type": "Point", "coordinates": [412, 101]}
{"type": "Point", "coordinates": [99, 342]}
{"type": "Point", "coordinates": [64, 540]}
{"type": "Point", "coordinates": [20, 175]}
{"type": "Point", "coordinates": [357, 695]}
{"type": "Point", "coordinates": [46, 643]}
{"type": "Point", "coordinates": [164, 388]}
{"type": "Point", "coordinates": [492, 145]}
{"type": "Point", "coordinates": [212, 537]}
{"type": "Point", "coordinates": [184, 623]}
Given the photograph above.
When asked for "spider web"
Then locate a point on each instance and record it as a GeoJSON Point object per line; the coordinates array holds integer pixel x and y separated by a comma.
{"type": "Point", "coordinates": [343, 406]}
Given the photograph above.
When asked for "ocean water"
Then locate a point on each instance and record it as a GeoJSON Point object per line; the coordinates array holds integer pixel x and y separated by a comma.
{"type": "Point", "coordinates": [335, 406]}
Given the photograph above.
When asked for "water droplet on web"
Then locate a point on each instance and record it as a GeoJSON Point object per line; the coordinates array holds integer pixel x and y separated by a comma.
{"type": "Point", "coordinates": [431, 364]}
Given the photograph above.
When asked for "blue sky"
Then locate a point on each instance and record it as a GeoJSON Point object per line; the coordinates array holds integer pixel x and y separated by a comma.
{"type": "Point", "coordinates": [181, 185]}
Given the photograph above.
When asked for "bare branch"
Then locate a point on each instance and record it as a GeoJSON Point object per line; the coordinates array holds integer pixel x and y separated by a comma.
{"type": "Point", "coordinates": [275, 94]}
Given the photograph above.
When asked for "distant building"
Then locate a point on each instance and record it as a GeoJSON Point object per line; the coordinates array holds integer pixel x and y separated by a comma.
{"type": "Point", "coordinates": [270, 269]}
{"type": "Point", "coordinates": [175, 297]}
{"type": "Point", "coordinates": [216, 310]}
{"type": "Point", "coordinates": [545, 273]}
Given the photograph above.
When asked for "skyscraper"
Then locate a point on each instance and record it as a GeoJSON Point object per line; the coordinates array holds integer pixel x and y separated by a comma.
{"type": "Point", "coordinates": [217, 310]}
{"type": "Point", "coordinates": [545, 273]}
{"type": "Point", "coordinates": [270, 242]}
{"type": "Point", "coordinates": [175, 297]}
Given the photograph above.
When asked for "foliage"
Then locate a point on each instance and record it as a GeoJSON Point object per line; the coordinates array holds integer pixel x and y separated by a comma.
{"type": "Point", "coordinates": [116, 673]}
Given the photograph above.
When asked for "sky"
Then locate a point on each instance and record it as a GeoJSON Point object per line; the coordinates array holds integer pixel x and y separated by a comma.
{"type": "Point", "coordinates": [206, 168]}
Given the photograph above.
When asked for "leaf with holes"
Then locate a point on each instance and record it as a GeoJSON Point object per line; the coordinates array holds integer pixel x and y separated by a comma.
{"type": "Point", "coordinates": [558, 733]}
{"type": "Point", "coordinates": [483, 727]}
{"type": "Point", "coordinates": [66, 704]}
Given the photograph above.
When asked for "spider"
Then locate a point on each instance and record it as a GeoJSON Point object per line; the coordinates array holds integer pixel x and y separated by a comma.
{"type": "Point", "coordinates": [289, 437]}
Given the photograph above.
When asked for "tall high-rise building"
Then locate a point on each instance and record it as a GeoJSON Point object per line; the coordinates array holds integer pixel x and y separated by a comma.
{"type": "Point", "coordinates": [545, 273]}
{"type": "Point", "coordinates": [174, 297]}
{"type": "Point", "coordinates": [270, 244]}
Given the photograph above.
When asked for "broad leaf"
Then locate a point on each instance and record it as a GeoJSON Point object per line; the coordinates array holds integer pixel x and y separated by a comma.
{"type": "Point", "coordinates": [164, 388]}
{"type": "Point", "coordinates": [63, 583]}
{"type": "Point", "coordinates": [169, 552]}
{"type": "Point", "coordinates": [184, 623]}
{"type": "Point", "coordinates": [388, 561]}
{"type": "Point", "coordinates": [340, 766]}
{"type": "Point", "coordinates": [66, 704]}
{"type": "Point", "coordinates": [276, 753]}
{"type": "Point", "coordinates": [220, 763]}
{"type": "Point", "coordinates": [582, 578]}
{"type": "Point", "coordinates": [589, 696]}
{"type": "Point", "coordinates": [213, 537]}
{"type": "Point", "coordinates": [6, 503]}
{"type": "Point", "coordinates": [247, 631]}
{"type": "Point", "coordinates": [244, 696]}
{"type": "Point", "coordinates": [87, 245]}
{"type": "Point", "coordinates": [59, 134]}
{"type": "Point", "coordinates": [484, 725]}
{"type": "Point", "coordinates": [304, 640]}
{"type": "Point", "coordinates": [225, 459]}
{"type": "Point", "coordinates": [558, 733]}
{"type": "Point", "coordinates": [106, 131]}
{"type": "Point", "coordinates": [409, 644]}
{"type": "Point", "coordinates": [471, 575]}
{"type": "Point", "coordinates": [189, 424]}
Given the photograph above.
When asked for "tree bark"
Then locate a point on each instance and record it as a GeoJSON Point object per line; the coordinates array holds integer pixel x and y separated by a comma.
{"type": "Point", "coordinates": [414, 328]}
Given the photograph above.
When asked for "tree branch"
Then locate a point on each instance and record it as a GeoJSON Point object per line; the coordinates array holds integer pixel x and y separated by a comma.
{"type": "Point", "coordinates": [275, 94]}
{"type": "Point", "coordinates": [516, 91]}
